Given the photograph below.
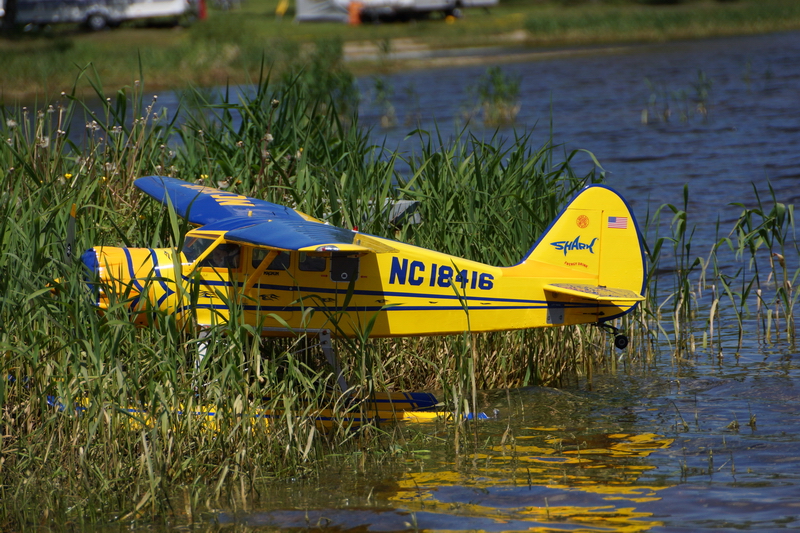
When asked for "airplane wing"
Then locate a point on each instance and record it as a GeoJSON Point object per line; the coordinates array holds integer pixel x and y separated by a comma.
{"type": "Point", "coordinates": [306, 236]}
{"type": "Point", "coordinates": [255, 222]}
{"type": "Point", "coordinates": [203, 205]}
{"type": "Point", "coordinates": [594, 292]}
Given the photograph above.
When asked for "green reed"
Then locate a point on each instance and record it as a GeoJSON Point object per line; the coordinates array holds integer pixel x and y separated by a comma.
{"type": "Point", "coordinates": [497, 95]}
{"type": "Point", "coordinates": [663, 103]}
{"type": "Point", "coordinates": [746, 278]}
{"type": "Point", "coordinates": [770, 231]}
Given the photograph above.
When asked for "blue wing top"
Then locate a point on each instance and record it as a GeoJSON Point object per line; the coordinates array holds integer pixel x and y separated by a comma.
{"type": "Point", "coordinates": [203, 205]}
{"type": "Point", "coordinates": [252, 221]}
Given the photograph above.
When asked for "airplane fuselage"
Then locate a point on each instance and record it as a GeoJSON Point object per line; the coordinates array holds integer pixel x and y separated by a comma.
{"type": "Point", "coordinates": [282, 271]}
{"type": "Point", "coordinates": [411, 291]}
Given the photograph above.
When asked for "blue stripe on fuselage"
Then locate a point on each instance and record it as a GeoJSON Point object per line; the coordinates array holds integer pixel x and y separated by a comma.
{"type": "Point", "coordinates": [357, 292]}
{"type": "Point", "coordinates": [167, 291]}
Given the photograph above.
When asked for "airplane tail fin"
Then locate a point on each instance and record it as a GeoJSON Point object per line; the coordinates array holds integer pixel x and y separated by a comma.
{"type": "Point", "coordinates": [592, 250]}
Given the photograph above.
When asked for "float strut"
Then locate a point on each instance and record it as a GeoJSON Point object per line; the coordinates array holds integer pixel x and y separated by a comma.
{"type": "Point", "coordinates": [202, 347]}
{"type": "Point", "coordinates": [327, 349]}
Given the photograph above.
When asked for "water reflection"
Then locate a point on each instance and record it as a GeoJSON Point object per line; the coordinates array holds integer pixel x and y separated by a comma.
{"type": "Point", "coordinates": [651, 450]}
{"type": "Point", "coordinates": [547, 479]}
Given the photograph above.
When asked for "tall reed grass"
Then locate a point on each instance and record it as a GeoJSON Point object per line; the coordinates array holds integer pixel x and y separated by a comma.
{"type": "Point", "coordinates": [93, 408]}
{"type": "Point", "coordinates": [741, 290]}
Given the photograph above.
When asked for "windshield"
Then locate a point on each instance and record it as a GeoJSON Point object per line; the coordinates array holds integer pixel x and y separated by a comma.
{"type": "Point", "coordinates": [193, 247]}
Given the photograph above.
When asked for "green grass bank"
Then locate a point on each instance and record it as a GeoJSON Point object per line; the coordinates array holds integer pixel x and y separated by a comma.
{"type": "Point", "coordinates": [231, 46]}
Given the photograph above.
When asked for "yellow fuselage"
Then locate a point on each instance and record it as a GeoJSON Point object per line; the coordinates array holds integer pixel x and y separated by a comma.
{"type": "Point", "coordinates": [588, 266]}
{"type": "Point", "coordinates": [411, 291]}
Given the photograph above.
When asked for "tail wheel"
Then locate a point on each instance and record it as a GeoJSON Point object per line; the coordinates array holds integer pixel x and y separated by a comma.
{"type": "Point", "coordinates": [621, 342]}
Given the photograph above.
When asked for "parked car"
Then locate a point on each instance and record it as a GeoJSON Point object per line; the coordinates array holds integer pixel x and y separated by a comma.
{"type": "Point", "coordinates": [99, 14]}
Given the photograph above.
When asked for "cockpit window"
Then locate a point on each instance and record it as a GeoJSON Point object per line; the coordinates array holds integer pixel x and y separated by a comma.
{"type": "Point", "coordinates": [193, 247]}
{"type": "Point", "coordinates": [225, 255]}
{"type": "Point", "coordinates": [281, 261]}
{"type": "Point", "coordinates": [310, 263]}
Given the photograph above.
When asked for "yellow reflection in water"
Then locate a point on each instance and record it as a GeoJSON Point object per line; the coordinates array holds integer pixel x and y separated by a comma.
{"type": "Point", "coordinates": [575, 482]}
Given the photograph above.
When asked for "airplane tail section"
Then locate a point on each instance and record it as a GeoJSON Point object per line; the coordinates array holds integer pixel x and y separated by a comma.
{"type": "Point", "coordinates": [593, 254]}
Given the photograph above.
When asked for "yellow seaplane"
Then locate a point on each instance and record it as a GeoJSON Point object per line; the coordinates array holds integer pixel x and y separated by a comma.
{"type": "Point", "coordinates": [290, 273]}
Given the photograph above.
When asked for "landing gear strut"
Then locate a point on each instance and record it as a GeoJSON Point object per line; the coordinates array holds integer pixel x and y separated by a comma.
{"type": "Point", "coordinates": [327, 349]}
{"type": "Point", "coordinates": [620, 340]}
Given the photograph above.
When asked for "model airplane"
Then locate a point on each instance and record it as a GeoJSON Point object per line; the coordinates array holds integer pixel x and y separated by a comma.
{"type": "Point", "coordinates": [292, 273]}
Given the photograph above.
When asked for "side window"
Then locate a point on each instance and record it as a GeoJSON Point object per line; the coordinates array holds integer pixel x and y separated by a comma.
{"type": "Point", "coordinates": [310, 263]}
{"type": "Point", "coordinates": [225, 255]}
{"type": "Point", "coordinates": [281, 261]}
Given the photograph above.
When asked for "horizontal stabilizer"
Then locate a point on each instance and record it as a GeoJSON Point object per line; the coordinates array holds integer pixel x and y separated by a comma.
{"type": "Point", "coordinates": [594, 292]}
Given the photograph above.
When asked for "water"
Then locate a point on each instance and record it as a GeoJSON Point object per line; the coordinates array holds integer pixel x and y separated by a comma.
{"type": "Point", "coordinates": [711, 441]}
{"type": "Point", "coordinates": [656, 449]}
{"type": "Point", "coordinates": [751, 132]}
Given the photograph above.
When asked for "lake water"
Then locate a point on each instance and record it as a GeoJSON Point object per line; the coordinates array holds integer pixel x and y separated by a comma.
{"type": "Point", "coordinates": [751, 132]}
{"type": "Point", "coordinates": [709, 441]}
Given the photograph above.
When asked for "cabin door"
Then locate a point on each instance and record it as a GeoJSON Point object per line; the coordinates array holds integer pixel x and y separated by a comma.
{"type": "Point", "coordinates": [272, 293]}
{"type": "Point", "coordinates": [324, 280]}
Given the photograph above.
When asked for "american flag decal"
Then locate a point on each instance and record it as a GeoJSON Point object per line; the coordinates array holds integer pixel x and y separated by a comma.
{"type": "Point", "coordinates": [618, 222]}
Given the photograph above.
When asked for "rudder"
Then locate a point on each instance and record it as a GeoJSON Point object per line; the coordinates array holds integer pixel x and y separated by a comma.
{"type": "Point", "coordinates": [594, 239]}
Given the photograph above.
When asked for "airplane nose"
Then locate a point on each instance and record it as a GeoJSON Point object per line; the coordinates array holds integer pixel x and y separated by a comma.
{"type": "Point", "coordinates": [132, 276]}
{"type": "Point", "coordinates": [89, 258]}
{"type": "Point", "coordinates": [92, 274]}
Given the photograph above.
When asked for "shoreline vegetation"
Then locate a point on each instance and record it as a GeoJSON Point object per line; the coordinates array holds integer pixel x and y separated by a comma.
{"type": "Point", "coordinates": [93, 430]}
{"type": "Point", "coordinates": [233, 46]}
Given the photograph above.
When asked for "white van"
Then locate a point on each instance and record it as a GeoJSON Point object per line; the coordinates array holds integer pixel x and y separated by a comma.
{"type": "Point", "coordinates": [339, 10]}
{"type": "Point", "coordinates": [98, 14]}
